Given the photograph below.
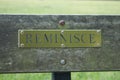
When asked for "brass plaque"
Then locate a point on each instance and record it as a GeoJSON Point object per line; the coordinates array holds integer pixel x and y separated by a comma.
{"type": "Point", "coordinates": [59, 38]}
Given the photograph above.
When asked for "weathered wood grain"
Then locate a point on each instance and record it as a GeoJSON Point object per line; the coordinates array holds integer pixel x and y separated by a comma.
{"type": "Point", "coordinates": [14, 59]}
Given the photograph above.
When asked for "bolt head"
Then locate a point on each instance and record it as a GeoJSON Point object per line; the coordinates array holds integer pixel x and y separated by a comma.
{"type": "Point", "coordinates": [61, 22]}
{"type": "Point", "coordinates": [63, 62]}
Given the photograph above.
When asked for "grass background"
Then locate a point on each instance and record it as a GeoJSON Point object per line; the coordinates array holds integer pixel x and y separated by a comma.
{"type": "Point", "coordinates": [74, 76]}
{"type": "Point", "coordinates": [103, 7]}
{"type": "Point", "coordinates": [60, 6]}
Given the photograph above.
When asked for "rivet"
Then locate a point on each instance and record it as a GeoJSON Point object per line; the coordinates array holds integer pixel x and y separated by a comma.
{"type": "Point", "coordinates": [63, 62]}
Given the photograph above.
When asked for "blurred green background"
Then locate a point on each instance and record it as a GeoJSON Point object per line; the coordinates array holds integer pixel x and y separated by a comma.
{"type": "Point", "coordinates": [60, 6]}
{"type": "Point", "coordinates": [74, 76]}
{"type": "Point", "coordinates": [100, 7]}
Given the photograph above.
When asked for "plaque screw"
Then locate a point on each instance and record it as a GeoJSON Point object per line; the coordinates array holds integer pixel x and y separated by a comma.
{"type": "Point", "coordinates": [62, 45]}
{"type": "Point", "coordinates": [61, 22]}
{"type": "Point", "coordinates": [22, 45]}
{"type": "Point", "coordinates": [63, 62]}
{"type": "Point", "coordinates": [21, 31]}
{"type": "Point", "coordinates": [98, 44]}
{"type": "Point", "coordinates": [62, 31]}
